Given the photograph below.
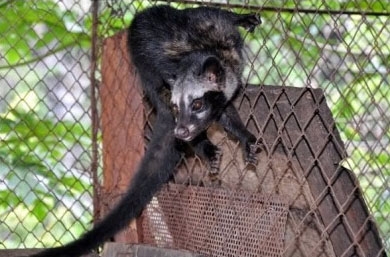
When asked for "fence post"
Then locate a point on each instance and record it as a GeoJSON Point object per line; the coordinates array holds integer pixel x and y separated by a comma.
{"type": "Point", "coordinates": [122, 121]}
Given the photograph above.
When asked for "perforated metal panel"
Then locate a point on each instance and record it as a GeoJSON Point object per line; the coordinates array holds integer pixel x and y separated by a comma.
{"type": "Point", "coordinates": [216, 222]}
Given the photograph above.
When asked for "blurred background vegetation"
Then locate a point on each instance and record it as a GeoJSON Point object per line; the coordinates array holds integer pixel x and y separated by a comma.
{"type": "Point", "coordinates": [45, 123]}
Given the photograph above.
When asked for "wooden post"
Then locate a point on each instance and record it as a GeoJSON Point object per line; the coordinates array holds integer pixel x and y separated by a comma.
{"type": "Point", "coordinates": [122, 118]}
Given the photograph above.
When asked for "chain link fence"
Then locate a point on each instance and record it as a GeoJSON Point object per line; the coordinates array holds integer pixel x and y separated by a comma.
{"type": "Point", "coordinates": [48, 161]}
{"type": "Point", "coordinates": [45, 122]}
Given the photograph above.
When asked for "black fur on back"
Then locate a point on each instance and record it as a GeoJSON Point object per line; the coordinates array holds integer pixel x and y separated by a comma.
{"type": "Point", "coordinates": [160, 37]}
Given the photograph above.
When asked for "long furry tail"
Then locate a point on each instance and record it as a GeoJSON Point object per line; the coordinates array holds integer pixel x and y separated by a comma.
{"type": "Point", "coordinates": [158, 164]}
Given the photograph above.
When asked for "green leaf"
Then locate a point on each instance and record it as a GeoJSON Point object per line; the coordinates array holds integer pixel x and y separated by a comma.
{"type": "Point", "coordinates": [74, 183]}
{"type": "Point", "coordinates": [6, 125]}
{"type": "Point", "coordinates": [384, 159]}
{"type": "Point", "coordinates": [40, 210]}
{"type": "Point", "coordinates": [9, 199]}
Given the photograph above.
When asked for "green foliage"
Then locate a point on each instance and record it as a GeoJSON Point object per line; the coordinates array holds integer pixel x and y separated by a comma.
{"type": "Point", "coordinates": [332, 5]}
{"type": "Point", "coordinates": [19, 20]}
{"type": "Point", "coordinates": [39, 183]}
{"type": "Point", "coordinates": [31, 161]}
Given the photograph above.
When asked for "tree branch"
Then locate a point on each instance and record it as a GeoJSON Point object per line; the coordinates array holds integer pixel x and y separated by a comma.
{"type": "Point", "coordinates": [38, 58]}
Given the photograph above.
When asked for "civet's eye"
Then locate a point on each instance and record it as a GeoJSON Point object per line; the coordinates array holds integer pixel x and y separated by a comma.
{"type": "Point", "coordinates": [197, 104]}
{"type": "Point", "coordinates": [175, 109]}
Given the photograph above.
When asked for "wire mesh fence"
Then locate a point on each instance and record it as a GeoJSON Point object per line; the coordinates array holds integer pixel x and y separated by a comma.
{"type": "Point", "coordinates": [45, 149]}
{"type": "Point", "coordinates": [46, 131]}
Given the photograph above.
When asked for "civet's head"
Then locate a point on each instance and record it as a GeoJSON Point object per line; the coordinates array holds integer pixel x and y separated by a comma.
{"type": "Point", "coordinates": [200, 92]}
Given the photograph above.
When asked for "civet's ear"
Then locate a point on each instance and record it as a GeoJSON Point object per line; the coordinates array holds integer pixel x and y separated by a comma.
{"type": "Point", "coordinates": [213, 70]}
